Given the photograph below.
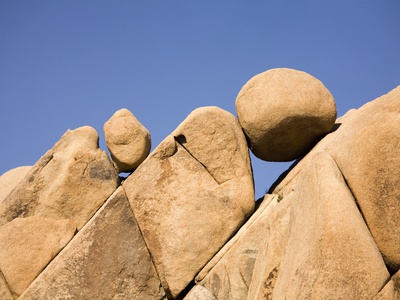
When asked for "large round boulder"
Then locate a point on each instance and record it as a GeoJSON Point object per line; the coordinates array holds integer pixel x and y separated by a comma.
{"type": "Point", "coordinates": [127, 140]}
{"type": "Point", "coordinates": [284, 112]}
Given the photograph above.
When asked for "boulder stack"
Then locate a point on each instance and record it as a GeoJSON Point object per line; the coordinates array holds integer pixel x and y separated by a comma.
{"type": "Point", "coordinates": [185, 225]}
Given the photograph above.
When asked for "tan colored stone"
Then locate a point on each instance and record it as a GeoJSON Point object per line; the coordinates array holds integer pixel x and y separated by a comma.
{"type": "Point", "coordinates": [71, 181]}
{"type": "Point", "coordinates": [5, 293]}
{"type": "Point", "coordinates": [214, 137]}
{"type": "Point", "coordinates": [10, 179]}
{"type": "Point", "coordinates": [188, 204]}
{"type": "Point", "coordinates": [366, 148]}
{"type": "Point", "coordinates": [272, 247]}
{"type": "Point", "coordinates": [199, 292]}
{"type": "Point", "coordinates": [229, 274]}
{"type": "Point", "coordinates": [284, 112]}
{"type": "Point", "coordinates": [391, 291]}
{"type": "Point", "coordinates": [107, 259]}
{"type": "Point", "coordinates": [127, 140]}
{"type": "Point", "coordinates": [28, 244]}
{"type": "Point", "coordinates": [330, 253]}
{"type": "Point", "coordinates": [368, 154]}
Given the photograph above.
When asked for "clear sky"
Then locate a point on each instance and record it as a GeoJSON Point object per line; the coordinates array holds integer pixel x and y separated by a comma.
{"type": "Point", "coordinates": [65, 64]}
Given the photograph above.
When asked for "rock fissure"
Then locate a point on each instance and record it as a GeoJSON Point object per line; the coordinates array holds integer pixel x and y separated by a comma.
{"type": "Point", "coordinates": [179, 139]}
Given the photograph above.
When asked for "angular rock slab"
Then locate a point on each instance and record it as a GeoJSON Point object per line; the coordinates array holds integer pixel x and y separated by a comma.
{"type": "Point", "coordinates": [330, 253]}
{"type": "Point", "coordinates": [391, 291]}
{"type": "Point", "coordinates": [284, 112]}
{"type": "Point", "coordinates": [368, 154]}
{"type": "Point", "coordinates": [192, 193]}
{"type": "Point", "coordinates": [276, 217]}
{"type": "Point", "coordinates": [229, 274]}
{"type": "Point", "coordinates": [10, 179]}
{"type": "Point", "coordinates": [27, 246]}
{"type": "Point", "coordinates": [107, 259]}
{"type": "Point", "coordinates": [127, 140]}
{"type": "Point", "coordinates": [69, 183]}
{"type": "Point", "coordinates": [366, 147]}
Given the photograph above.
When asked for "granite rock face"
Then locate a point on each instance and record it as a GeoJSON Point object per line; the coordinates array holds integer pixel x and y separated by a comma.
{"type": "Point", "coordinates": [56, 198]}
{"type": "Point", "coordinates": [185, 224]}
{"type": "Point", "coordinates": [284, 112]}
{"type": "Point", "coordinates": [192, 193]}
{"type": "Point", "coordinates": [107, 259]}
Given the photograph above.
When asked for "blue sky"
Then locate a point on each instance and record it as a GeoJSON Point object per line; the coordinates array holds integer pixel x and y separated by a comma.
{"type": "Point", "coordinates": [65, 64]}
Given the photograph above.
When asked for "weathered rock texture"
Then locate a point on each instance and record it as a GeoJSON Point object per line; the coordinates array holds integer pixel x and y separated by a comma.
{"type": "Point", "coordinates": [57, 197]}
{"type": "Point", "coordinates": [184, 224]}
{"type": "Point", "coordinates": [127, 140]}
{"type": "Point", "coordinates": [366, 148]}
{"type": "Point", "coordinates": [329, 244]}
{"type": "Point", "coordinates": [192, 193]}
{"type": "Point", "coordinates": [107, 259]}
{"type": "Point", "coordinates": [284, 112]}
{"type": "Point", "coordinates": [9, 180]}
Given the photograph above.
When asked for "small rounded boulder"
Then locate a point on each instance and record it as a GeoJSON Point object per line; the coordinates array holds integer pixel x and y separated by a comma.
{"type": "Point", "coordinates": [284, 112]}
{"type": "Point", "coordinates": [127, 140]}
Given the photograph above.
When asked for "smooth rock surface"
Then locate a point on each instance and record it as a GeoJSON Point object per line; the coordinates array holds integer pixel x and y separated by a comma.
{"type": "Point", "coordinates": [284, 112]}
{"type": "Point", "coordinates": [366, 147]}
{"type": "Point", "coordinates": [27, 246]}
{"type": "Point", "coordinates": [329, 245]}
{"type": "Point", "coordinates": [192, 194]}
{"type": "Point", "coordinates": [10, 179]}
{"type": "Point", "coordinates": [107, 259]}
{"type": "Point", "coordinates": [127, 140]}
{"type": "Point", "coordinates": [229, 273]}
{"type": "Point", "coordinates": [368, 154]}
{"type": "Point", "coordinates": [272, 247]}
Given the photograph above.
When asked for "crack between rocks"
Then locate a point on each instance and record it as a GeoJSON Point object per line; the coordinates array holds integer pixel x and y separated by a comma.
{"type": "Point", "coordinates": [166, 289]}
{"type": "Point", "coordinates": [365, 222]}
{"type": "Point", "coordinates": [177, 140]}
{"type": "Point", "coordinates": [352, 194]}
{"type": "Point", "coordinates": [7, 284]}
{"type": "Point", "coordinates": [383, 286]}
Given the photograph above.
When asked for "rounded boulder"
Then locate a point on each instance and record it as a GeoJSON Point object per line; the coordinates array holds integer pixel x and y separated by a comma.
{"type": "Point", "coordinates": [127, 140]}
{"type": "Point", "coordinates": [284, 112]}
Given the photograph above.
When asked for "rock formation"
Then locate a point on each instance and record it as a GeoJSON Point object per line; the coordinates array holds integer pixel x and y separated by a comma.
{"type": "Point", "coordinates": [284, 109]}
{"type": "Point", "coordinates": [185, 225]}
{"type": "Point", "coordinates": [127, 140]}
{"type": "Point", "coordinates": [191, 194]}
